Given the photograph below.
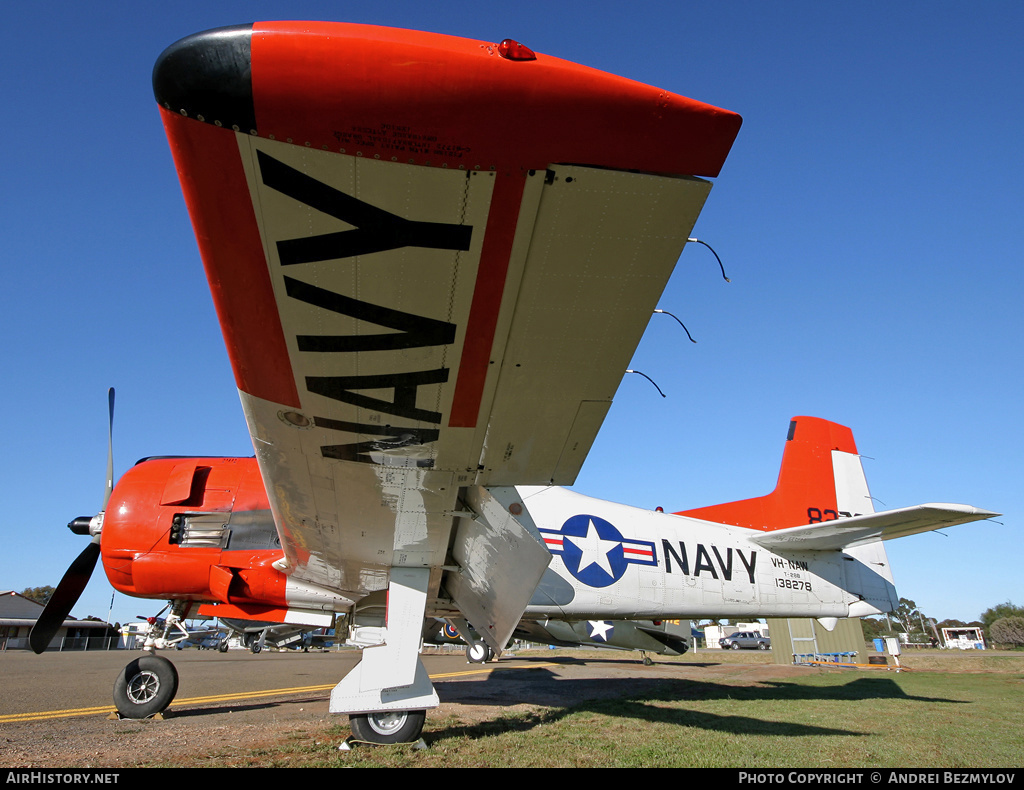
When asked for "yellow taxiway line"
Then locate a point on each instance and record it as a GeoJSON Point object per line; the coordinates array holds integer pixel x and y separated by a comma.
{"type": "Point", "coordinates": [234, 696]}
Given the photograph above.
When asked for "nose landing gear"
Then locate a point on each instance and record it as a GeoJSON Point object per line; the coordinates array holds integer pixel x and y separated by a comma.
{"type": "Point", "coordinates": [149, 684]}
{"type": "Point", "coordinates": [145, 687]}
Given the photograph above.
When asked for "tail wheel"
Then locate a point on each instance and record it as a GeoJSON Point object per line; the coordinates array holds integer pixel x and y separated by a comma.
{"type": "Point", "coordinates": [388, 727]}
{"type": "Point", "coordinates": [145, 687]}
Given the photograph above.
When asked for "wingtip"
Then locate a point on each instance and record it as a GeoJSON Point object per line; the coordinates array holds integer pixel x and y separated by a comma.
{"type": "Point", "coordinates": [208, 76]}
{"type": "Point", "coordinates": [968, 510]}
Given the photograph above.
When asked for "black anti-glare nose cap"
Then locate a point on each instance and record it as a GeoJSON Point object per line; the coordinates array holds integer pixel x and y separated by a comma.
{"type": "Point", "coordinates": [208, 76]}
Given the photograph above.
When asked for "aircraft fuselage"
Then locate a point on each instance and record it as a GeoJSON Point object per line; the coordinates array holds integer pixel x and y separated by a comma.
{"type": "Point", "coordinates": [618, 562]}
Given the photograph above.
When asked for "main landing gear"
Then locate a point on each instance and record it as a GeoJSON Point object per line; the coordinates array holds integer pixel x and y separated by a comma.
{"type": "Point", "coordinates": [388, 727]}
{"type": "Point", "coordinates": [386, 695]}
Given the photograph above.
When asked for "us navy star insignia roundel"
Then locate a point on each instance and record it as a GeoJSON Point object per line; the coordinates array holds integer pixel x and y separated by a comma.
{"type": "Point", "coordinates": [600, 630]}
{"type": "Point", "coordinates": [595, 552]}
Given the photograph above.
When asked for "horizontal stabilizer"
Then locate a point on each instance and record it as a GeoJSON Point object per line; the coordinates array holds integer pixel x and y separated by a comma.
{"type": "Point", "coordinates": [856, 530]}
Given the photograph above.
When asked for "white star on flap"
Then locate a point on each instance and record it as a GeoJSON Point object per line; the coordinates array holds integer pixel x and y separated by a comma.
{"type": "Point", "coordinates": [599, 629]}
{"type": "Point", "coordinates": [595, 550]}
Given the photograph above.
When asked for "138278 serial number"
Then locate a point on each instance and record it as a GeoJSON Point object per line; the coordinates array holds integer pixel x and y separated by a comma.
{"type": "Point", "coordinates": [793, 584]}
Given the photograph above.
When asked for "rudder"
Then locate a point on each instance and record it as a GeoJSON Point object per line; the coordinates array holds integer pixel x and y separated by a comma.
{"type": "Point", "coordinates": [820, 478]}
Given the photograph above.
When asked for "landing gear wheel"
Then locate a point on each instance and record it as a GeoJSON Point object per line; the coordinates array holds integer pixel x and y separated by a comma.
{"type": "Point", "coordinates": [648, 662]}
{"type": "Point", "coordinates": [222, 646]}
{"type": "Point", "coordinates": [478, 653]}
{"type": "Point", "coordinates": [256, 647]}
{"type": "Point", "coordinates": [388, 727]}
{"type": "Point", "coordinates": [145, 687]}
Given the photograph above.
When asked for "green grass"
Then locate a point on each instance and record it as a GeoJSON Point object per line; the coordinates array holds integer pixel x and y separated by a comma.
{"type": "Point", "coordinates": [826, 719]}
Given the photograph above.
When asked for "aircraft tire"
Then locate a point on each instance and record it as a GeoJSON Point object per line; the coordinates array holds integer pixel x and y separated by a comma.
{"type": "Point", "coordinates": [145, 687]}
{"type": "Point", "coordinates": [478, 653]}
{"type": "Point", "coordinates": [388, 727]}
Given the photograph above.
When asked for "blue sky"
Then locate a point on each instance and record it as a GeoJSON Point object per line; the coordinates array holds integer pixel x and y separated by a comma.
{"type": "Point", "coordinates": [869, 218]}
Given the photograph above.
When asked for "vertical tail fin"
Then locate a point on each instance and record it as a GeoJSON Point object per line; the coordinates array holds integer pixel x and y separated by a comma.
{"type": "Point", "coordinates": [821, 478]}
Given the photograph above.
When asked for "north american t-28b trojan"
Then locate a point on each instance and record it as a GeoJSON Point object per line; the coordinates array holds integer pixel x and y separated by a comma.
{"type": "Point", "coordinates": [432, 260]}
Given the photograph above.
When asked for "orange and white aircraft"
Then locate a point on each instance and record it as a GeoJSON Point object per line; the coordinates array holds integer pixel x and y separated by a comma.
{"type": "Point", "coordinates": [432, 260]}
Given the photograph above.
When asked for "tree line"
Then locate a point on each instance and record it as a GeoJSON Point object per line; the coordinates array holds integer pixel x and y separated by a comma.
{"type": "Point", "coordinates": [1002, 624]}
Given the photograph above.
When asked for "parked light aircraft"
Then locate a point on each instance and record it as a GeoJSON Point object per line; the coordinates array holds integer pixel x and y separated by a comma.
{"type": "Point", "coordinates": [432, 260]}
{"type": "Point", "coordinates": [255, 635]}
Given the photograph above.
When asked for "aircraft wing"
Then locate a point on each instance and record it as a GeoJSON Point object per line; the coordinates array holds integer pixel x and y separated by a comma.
{"type": "Point", "coordinates": [842, 533]}
{"type": "Point", "coordinates": [432, 260]}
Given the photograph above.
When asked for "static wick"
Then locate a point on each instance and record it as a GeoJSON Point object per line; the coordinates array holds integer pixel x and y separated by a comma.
{"type": "Point", "coordinates": [649, 379]}
{"type": "Point", "coordinates": [666, 312]}
{"type": "Point", "coordinates": [720, 266]}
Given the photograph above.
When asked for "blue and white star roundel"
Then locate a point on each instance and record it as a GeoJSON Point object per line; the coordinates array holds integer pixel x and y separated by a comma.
{"type": "Point", "coordinates": [600, 630]}
{"type": "Point", "coordinates": [595, 552]}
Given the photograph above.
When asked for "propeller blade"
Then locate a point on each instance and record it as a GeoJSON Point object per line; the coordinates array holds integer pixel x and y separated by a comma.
{"type": "Point", "coordinates": [110, 448]}
{"type": "Point", "coordinates": [64, 597]}
{"type": "Point", "coordinates": [77, 576]}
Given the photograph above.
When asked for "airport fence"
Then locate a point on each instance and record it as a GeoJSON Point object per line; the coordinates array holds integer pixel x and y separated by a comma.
{"type": "Point", "coordinates": [64, 644]}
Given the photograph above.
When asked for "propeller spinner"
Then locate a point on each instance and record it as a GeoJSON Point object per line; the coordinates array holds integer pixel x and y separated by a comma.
{"type": "Point", "coordinates": [77, 576]}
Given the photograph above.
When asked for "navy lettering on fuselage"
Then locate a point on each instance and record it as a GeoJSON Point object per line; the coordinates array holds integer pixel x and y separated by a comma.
{"type": "Point", "coordinates": [704, 563]}
{"type": "Point", "coordinates": [676, 558]}
{"type": "Point", "coordinates": [374, 230]}
{"type": "Point", "coordinates": [680, 558]}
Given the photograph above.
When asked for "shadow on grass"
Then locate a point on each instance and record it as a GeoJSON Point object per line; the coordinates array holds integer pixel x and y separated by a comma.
{"type": "Point", "coordinates": [640, 710]}
{"type": "Point", "coordinates": [637, 699]}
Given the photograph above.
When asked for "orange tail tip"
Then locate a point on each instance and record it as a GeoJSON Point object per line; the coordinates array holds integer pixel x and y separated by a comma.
{"type": "Point", "coordinates": [820, 458]}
